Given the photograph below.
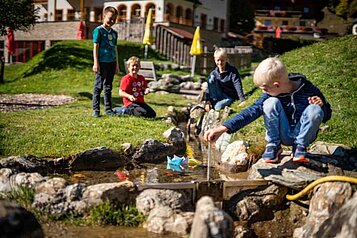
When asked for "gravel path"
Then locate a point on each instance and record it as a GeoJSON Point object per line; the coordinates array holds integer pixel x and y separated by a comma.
{"type": "Point", "coordinates": [22, 102]}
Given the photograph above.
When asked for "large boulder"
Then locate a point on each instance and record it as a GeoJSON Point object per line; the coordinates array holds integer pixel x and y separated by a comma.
{"type": "Point", "coordinates": [15, 221]}
{"type": "Point", "coordinates": [327, 200]}
{"type": "Point", "coordinates": [152, 198]}
{"type": "Point", "coordinates": [101, 158]}
{"type": "Point", "coordinates": [154, 151]}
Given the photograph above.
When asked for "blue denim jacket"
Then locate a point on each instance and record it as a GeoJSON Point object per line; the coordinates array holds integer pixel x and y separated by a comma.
{"type": "Point", "coordinates": [293, 103]}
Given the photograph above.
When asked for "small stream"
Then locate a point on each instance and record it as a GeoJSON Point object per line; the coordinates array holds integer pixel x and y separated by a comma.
{"type": "Point", "coordinates": [150, 173]}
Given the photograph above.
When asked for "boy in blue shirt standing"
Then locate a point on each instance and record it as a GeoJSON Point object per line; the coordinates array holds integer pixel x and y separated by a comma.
{"type": "Point", "coordinates": [105, 57]}
{"type": "Point", "coordinates": [293, 109]}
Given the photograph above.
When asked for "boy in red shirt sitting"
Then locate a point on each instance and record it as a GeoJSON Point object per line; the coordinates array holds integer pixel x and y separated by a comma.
{"type": "Point", "coordinates": [133, 87]}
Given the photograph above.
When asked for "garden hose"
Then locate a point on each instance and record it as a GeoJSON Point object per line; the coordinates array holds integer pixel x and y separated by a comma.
{"type": "Point", "coordinates": [321, 180]}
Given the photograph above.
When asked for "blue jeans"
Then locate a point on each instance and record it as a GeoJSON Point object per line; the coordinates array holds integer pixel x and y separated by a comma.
{"type": "Point", "coordinates": [279, 131]}
{"type": "Point", "coordinates": [218, 97]}
{"type": "Point", "coordinates": [104, 80]}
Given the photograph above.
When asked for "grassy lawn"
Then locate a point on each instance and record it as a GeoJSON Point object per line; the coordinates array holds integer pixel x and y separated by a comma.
{"type": "Point", "coordinates": [69, 129]}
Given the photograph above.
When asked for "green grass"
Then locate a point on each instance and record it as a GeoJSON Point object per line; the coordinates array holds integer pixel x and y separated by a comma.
{"type": "Point", "coordinates": [66, 69]}
{"type": "Point", "coordinates": [69, 129]}
{"type": "Point", "coordinates": [23, 195]}
{"type": "Point", "coordinates": [109, 214]}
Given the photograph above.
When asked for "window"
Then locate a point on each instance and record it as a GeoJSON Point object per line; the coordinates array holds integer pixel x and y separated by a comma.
{"type": "Point", "coordinates": [285, 23]}
{"type": "Point", "coordinates": [302, 23]}
{"type": "Point", "coordinates": [306, 10]}
{"type": "Point", "coordinates": [70, 14]}
{"type": "Point", "coordinates": [122, 13]}
{"type": "Point", "coordinates": [203, 21]}
{"type": "Point", "coordinates": [58, 16]}
{"type": "Point", "coordinates": [136, 10]}
{"type": "Point", "coordinates": [215, 24]}
{"type": "Point", "coordinates": [179, 12]}
{"type": "Point", "coordinates": [223, 23]}
{"type": "Point", "coordinates": [267, 22]}
{"type": "Point", "coordinates": [98, 14]}
{"type": "Point", "coordinates": [152, 6]}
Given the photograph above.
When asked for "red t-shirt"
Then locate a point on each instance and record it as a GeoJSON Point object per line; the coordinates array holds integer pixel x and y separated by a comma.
{"type": "Point", "coordinates": [133, 86]}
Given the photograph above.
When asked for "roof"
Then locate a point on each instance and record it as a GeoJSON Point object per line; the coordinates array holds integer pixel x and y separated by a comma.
{"type": "Point", "coordinates": [179, 32]}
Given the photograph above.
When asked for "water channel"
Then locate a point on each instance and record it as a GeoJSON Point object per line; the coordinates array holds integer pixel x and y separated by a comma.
{"type": "Point", "coordinates": [150, 173]}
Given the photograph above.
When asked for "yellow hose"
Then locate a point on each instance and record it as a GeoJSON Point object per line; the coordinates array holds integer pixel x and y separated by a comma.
{"type": "Point", "coordinates": [321, 180]}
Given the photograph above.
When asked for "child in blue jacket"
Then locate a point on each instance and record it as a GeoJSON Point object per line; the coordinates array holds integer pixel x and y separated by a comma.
{"type": "Point", "coordinates": [224, 83]}
{"type": "Point", "coordinates": [293, 109]}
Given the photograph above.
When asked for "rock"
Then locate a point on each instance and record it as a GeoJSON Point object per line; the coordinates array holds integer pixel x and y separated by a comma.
{"type": "Point", "coordinates": [25, 163]}
{"type": "Point", "coordinates": [223, 142]}
{"type": "Point", "coordinates": [257, 204]}
{"type": "Point", "coordinates": [328, 198]}
{"type": "Point", "coordinates": [209, 221]}
{"type": "Point", "coordinates": [116, 193]}
{"type": "Point", "coordinates": [5, 175]}
{"type": "Point", "coordinates": [128, 149]}
{"type": "Point", "coordinates": [286, 173]}
{"type": "Point", "coordinates": [323, 162]}
{"type": "Point", "coordinates": [30, 180]}
{"type": "Point", "coordinates": [174, 199]}
{"type": "Point", "coordinates": [177, 116]}
{"type": "Point", "coordinates": [243, 232]}
{"type": "Point", "coordinates": [235, 158]}
{"type": "Point", "coordinates": [60, 200]}
{"type": "Point", "coordinates": [195, 121]}
{"type": "Point", "coordinates": [214, 118]}
{"type": "Point", "coordinates": [15, 221]}
{"type": "Point", "coordinates": [101, 158]}
{"type": "Point", "coordinates": [52, 186]}
{"type": "Point", "coordinates": [153, 151]}
{"type": "Point", "coordinates": [324, 148]}
{"type": "Point", "coordinates": [343, 223]}
{"type": "Point", "coordinates": [165, 219]}
{"type": "Point", "coordinates": [175, 135]}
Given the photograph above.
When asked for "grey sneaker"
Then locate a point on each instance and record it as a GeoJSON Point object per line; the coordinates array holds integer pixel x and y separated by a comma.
{"type": "Point", "coordinates": [96, 114]}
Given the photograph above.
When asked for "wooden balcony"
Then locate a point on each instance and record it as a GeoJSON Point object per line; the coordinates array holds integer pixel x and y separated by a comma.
{"type": "Point", "coordinates": [40, 1]}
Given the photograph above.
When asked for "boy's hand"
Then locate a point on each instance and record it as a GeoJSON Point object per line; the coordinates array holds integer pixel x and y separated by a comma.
{"type": "Point", "coordinates": [242, 104]}
{"type": "Point", "coordinates": [316, 100]}
{"type": "Point", "coordinates": [96, 68]}
{"type": "Point", "coordinates": [147, 91]}
{"type": "Point", "coordinates": [208, 106]}
{"type": "Point", "coordinates": [213, 134]}
{"type": "Point", "coordinates": [132, 98]}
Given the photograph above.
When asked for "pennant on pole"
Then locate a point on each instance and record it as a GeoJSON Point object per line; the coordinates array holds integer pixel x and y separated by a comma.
{"type": "Point", "coordinates": [196, 47]}
{"type": "Point", "coordinates": [149, 38]}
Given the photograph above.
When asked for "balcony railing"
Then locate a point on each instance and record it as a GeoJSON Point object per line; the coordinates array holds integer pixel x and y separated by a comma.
{"type": "Point", "coordinates": [275, 13]}
{"type": "Point", "coordinates": [179, 20]}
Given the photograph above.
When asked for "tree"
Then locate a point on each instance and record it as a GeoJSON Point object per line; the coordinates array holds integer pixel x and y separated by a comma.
{"type": "Point", "coordinates": [344, 8]}
{"type": "Point", "coordinates": [16, 14]}
{"type": "Point", "coordinates": [242, 16]}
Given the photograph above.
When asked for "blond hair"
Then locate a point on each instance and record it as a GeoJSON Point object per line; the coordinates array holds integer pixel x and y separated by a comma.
{"type": "Point", "coordinates": [270, 70]}
{"type": "Point", "coordinates": [131, 60]}
{"type": "Point", "coordinates": [110, 9]}
{"type": "Point", "coordinates": [220, 53]}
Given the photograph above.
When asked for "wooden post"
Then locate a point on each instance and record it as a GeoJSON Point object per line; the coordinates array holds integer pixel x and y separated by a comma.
{"type": "Point", "coordinates": [2, 62]}
{"type": "Point", "coordinates": [82, 10]}
{"type": "Point", "coordinates": [193, 65]}
{"type": "Point", "coordinates": [146, 51]}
